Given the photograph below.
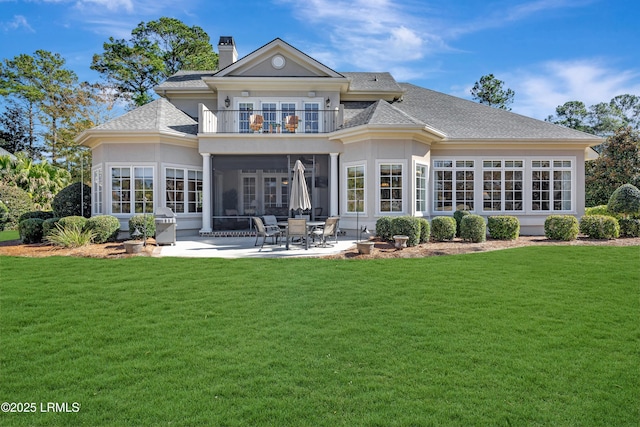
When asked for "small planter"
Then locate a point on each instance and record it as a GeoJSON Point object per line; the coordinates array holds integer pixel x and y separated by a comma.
{"type": "Point", "coordinates": [133, 246]}
{"type": "Point", "coordinates": [365, 248]}
{"type": "Point", "coordinates": [401, 241]}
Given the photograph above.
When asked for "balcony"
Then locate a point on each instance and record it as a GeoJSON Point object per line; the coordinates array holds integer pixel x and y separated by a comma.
{"type": "Point", "coordinates": [268, 122]}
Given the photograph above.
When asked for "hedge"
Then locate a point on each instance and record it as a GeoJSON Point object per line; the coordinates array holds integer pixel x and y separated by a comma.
{"type": "Point", "coordinates": [458, 215]}
{"type": "Point", "coordinates": [561, 227]}
{"type": "Point", "coordinates": [443, 228]}
{"type": "Point", "coordinates": [17, 202]}
{"type": "Point", "coordinates": [406, 226]}
{"type": "Point", "coordinates": [383, 228]}
{"type": "Point", "coordinates": [425, 230]}
{"type": "Point", "coordinates": [625, 200]}
{"type": "Point", "coordinates": [629, 227]}
{"type": "Point", "coordinates": [599, 227]}
{"type": "Point", "coordinates": [48, 226]}
{"type": "Point", "coordinates": [37, 214]}
{"type": "Point", "coordinates": [31, 230]}
{"type": "Point", "coordinates": [473, 228]}
{"type": "Point", "coordinates": [503, 227]}
{"type": "Point", "coordinates": [67, 202]}
{"type": "Point", "coordinates": [74, 221]}
{"type": "Point", "coordinates": [104, 227]}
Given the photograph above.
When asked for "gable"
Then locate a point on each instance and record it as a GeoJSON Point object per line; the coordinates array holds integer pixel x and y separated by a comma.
{"type": "Point", "coordinates": [277, 59]}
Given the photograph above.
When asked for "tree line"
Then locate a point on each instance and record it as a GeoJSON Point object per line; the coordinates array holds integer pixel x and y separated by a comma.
{"type": "Point", "coordinates": [46, 106]}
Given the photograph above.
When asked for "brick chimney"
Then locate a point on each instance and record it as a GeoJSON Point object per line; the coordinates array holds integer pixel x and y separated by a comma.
{"type": "Point", "coordinates": [227, 53]}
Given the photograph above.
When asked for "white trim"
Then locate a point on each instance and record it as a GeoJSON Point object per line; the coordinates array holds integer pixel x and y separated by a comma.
{"type": "Point", "coordinates": [403, 163]}
{"type": "Point", "coordinates": [94, 190]}
{"type": "Point", "coordinates": [163, 185]}
{"type": "Point", "coordinates": [527, 187]}
{"type": "Point", "coordinates": [109, 191]}
{"type": "Point", "coordinates": [414, 187]}
{"type": "Point", "coordinates": [345, 199]}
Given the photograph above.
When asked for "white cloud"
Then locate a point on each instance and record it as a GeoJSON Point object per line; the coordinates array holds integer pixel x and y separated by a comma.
{"type": "Point", "coordinates": [369, 34]}
{"type": "Point", "coordinates": [541, 88]}
{"type": "Point", "coordinates": [18, 22]}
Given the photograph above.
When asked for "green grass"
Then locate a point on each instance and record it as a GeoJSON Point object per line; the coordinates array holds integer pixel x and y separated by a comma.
{"type": "Point", "coordinates": [524, 337]}
{"type": "Point", "coordinates": [7, 235]}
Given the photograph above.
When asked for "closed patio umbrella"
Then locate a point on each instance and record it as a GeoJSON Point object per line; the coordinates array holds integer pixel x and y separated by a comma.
{"type": "Point", "coordinates": [299, 193]}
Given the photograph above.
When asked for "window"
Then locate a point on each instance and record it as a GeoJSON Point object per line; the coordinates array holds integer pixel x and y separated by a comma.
{"type": "Point", "coordinates": [502, 185]}
{"type": "Point", "coordinates": [421, 188]}
{"type": "Point", "coordinates": [311, 116]}
{"type": "Point", "coordinates": [249, 197]}
{"type": "Point", "coordinates": [183, 195]}
{"type": "Point", "coordinates": [97, 191]}
{"type": "Point", "coordinates": [390, 184]}
{"type": "Point", "coordinates": [453, 185]}
{"type": "Point", "coordinates": [131, 195]}
{"type": "Point", "coordinates": [551, 185]}
{"type": "Point", "coordinates": [246, 110]}
{"type": "Point", "coordinates": [355, 188]}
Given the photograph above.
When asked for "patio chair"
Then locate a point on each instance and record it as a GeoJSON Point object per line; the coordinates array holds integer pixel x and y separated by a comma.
{"type": "Point", "coordinates": [270, 221]}
{"type": "Point", "coordinates": [291, 123]}
{"type": "Point", "coordinates": [330, 229]}
{"type": "Point", "coordinates": [262, 231]}
{"type": "Point", "coordinates": [297, 228]}
{"type": "Point", "coordinates": [255, 122]}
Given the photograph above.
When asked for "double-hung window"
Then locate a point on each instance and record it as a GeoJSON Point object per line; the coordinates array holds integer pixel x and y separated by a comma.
{"type": "Point", "coordinates": [551, 182]}
{"type": "Point", "coordinates": [355, 188]}
{"type": "Point", "coordinates": [97, 184]}
{"type": "Point", "coordinates": [502, 185]}
{"type": "Point", "coordinates": [453, 185]}
{"type": "Point", "coordinates": [131, 189]}
{"type": "Point", "coordinates": [183, 190]}
{"type": "Point", "coordinates": [421, 187]}
{"type": "Point", "coordinates": [390, 187]}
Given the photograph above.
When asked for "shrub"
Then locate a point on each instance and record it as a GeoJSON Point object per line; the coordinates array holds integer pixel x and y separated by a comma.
{"type": "Point", "coordinates": [503, 227]}
{"type": "Point", "coordinates": [70, 236]}
{"type": "Point", "coordinates": [48, 226]}
{"type": "Point", "coordinates": [73, 221]}
{"type": "Point", "coordinates": [31, 230]}
{"type": "Point", "coordinates": [407, 226]}
{"type": "Point", "coordinates": [67, 202]}
{"type": "Point", "coordinates": [383, 228]}
{"type": "Point", "coordinates": [425, 230]}
{"type": "Point", "coordinates": [17, 202]}
{"type": "Point", "coordinates": [458, 215]}
{"type": "Point", "coordinates": [473, 228]}
{"type": "Point", "coordinates": [104, 227]}
{"type": "Point", "coordinates": [600, 227]}
{"type": "Point", "coordinates": [629, 227]}
{"type": "Point", "coordinates": [599, 210]}
{"type": "Point", "coordinates": [625, 200]}
{"type": "Point", "coordinates": [4, 215]}
{"type": "Point", "coordinates": [443, 228]}
{"type": "Point", "coordinates": [36, 214]}
{"type": "Point", "coordinates": [561, 227]}
{"type": "Point", "coordinates": [138, 222]}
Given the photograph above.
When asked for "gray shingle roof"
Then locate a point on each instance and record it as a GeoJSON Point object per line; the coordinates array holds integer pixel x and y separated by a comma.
{"type": "Point", "coordinates": [381, 113]}
{"type": "Point", "coordinates": [454, 117]}
{"type": "Point", "coordinates": [463, 119]}
{"type": "Point", "coordinates": [360, 81]}
{"type": "Point", "coordinates": [159, 115]}
{"type": "Point", "coordinates": [186, 80]}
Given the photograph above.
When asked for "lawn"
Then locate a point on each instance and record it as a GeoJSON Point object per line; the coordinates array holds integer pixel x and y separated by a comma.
{"type": "Point", "coordinates": [7, 235]}
{"type": "Point", "coordinates": [524, 337]}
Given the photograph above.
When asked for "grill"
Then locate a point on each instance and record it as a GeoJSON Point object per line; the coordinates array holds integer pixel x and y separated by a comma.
{"type": "Point", "coordinates": [165, 221]}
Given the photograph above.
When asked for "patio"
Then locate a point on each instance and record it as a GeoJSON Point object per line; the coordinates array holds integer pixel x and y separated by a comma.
{"type": "Point", "coordinates": [243, 247]}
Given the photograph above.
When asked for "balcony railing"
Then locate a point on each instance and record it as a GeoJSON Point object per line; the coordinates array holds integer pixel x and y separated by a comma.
{"type": "Point", "coordinates": [268, 122]}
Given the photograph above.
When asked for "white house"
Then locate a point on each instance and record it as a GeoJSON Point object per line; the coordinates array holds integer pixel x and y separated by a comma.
{"type": "Point", "coordinates": [218, 147]}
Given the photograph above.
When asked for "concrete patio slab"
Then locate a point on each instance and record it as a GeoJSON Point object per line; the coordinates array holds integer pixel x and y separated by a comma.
{"type": "Point", "coordinates": [243, 247]}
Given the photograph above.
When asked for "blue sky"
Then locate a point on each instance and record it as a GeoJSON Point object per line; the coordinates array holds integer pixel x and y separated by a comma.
{"type": "Point", "coordinates": [548, 51]}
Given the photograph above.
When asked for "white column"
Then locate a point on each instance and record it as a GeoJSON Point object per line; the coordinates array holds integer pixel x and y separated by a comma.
{"type": "Point", "coordinates": [206, 193]}
{"type": "Point", "coordinates": [333, 190]}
